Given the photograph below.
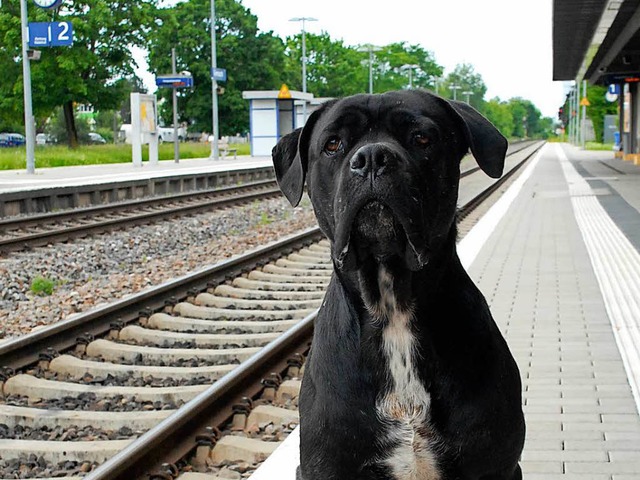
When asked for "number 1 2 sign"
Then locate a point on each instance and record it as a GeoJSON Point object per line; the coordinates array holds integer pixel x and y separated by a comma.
{"type": "Point", "coordinates": [50, 34]}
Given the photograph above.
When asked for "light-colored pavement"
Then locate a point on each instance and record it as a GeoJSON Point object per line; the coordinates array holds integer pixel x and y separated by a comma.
{"type": "Point", "coordinates": [555, 297]}
{"type": "Point", "coordinates": [18, 180]}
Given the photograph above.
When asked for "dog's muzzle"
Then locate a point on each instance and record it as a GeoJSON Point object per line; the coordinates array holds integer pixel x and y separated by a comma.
{"type": "Point", "coordinates": [374, 225]}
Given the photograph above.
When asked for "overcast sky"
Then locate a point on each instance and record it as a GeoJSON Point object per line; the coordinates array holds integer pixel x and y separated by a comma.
{"type": "Point", "coordinates": [507, 41]}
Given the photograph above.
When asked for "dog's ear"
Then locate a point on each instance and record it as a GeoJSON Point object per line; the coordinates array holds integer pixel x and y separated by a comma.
{"type": "Point", "coordinates": [288, 166]}
{"type": "Point", "coordinates": [290, 159]}
{"type": "Point", "coordinates": [487, 144]}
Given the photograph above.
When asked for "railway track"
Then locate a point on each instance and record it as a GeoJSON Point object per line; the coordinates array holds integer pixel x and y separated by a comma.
{"type": "Point", "coordinates": [227, 342]}
{"type": "Point", "coordinates": [37, 230]}
{"type": "Point", "coordinates": [32, 231]}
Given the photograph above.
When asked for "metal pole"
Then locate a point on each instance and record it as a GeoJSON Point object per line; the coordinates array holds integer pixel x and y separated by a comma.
{"type": "Point", "coordinates": [304, 61]}
{"type": "Point", "coordinates": [570, 121]}
{"type": "Point", "coordinates": [455, 89]}
{"type": "Point", "coordinates": [578, 119]}
{"type": "Point", "coordinates": [370, 69]}
{"type": "Point", "coordinates": [214, 84]}
{"type": "Point", "coordinates": [584, 115]}
{"type": "Point", "coordinates": [304, 72]}
{"type": "Point", "coordinates": [29, 126]}
{"type": "Point", "coordinates": [174, 91]}
{"type": "Point", "coordinates": [410, 78]}
{"type": "Point", "coordinates": [574, 117]}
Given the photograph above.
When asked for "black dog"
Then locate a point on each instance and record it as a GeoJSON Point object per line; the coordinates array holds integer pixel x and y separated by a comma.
{"type": "Point", "coordinates": [409, 377]}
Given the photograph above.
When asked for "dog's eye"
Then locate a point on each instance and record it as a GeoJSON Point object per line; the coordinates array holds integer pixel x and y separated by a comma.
{"type": "Point", "coordinates": [421, 140]}
{"type": "Point", "coordinates": [333, 145]}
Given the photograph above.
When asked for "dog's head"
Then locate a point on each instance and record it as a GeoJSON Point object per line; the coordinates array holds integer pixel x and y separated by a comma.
{"type": "Point", "coordinates": [383, 170]}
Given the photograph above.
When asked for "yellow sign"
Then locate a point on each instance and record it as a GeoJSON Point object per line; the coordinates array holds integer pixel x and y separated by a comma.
{"type": "Point", "coordinates": [284, 92]}
{"type": "Point", "coordinates": [584, 102]}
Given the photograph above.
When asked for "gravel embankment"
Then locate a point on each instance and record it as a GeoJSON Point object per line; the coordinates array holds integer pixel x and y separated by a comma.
{"type": "Point", "coordinates": [89, 272]}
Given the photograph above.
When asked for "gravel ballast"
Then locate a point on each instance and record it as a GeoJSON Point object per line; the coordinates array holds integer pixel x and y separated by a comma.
{"type": "Point", "coordinates": [88, 272]}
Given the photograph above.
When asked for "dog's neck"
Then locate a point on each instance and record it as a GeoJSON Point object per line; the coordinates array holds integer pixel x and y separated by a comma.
{"type": "Point", "coordinates": [389, 286]}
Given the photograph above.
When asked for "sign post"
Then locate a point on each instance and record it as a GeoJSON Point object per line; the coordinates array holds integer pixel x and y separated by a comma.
{"type": "Point", "coordinates": [174, 95]}
{"type": "Point", "coordinates": [175, 81]}
{"type": "Point", "coordinates": [29, 124]}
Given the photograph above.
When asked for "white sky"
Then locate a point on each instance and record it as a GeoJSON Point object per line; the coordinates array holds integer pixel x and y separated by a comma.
{"type": "Point", "coordinates": [507, 41]}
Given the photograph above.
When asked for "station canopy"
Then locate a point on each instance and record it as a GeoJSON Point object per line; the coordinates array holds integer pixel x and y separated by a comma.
{"type": "Point", "coordinates": [596, 40]}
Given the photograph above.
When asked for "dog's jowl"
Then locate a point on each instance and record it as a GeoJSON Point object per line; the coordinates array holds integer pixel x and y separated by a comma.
{"type": "Point", "coordinates": [408, 376]}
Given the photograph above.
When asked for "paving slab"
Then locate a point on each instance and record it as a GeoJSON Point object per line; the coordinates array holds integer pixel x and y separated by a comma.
{"type": "Point", "coordinates": [542, 277]}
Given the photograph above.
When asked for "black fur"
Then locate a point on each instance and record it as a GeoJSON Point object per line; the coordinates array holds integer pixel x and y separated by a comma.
{"type": "Point", "coordinates": [386, 200]}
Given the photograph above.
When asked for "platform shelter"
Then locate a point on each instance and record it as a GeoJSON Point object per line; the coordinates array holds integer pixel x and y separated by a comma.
{"type": "Point", "coordinates": [274, 113]}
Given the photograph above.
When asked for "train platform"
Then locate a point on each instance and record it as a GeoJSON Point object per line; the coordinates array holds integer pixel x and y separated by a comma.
{"type": "Point", "coordinates": [82, 175]}
{"type": "Point", "coordinates": [558, 260]}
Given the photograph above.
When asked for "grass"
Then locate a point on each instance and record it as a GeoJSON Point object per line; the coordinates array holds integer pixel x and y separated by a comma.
{"type": "Point", "coordinates": [42, 286]}
{"type": "Point", "coordinates": [62, 156]}
{"type": "Point", "coordinates": [599, 146]}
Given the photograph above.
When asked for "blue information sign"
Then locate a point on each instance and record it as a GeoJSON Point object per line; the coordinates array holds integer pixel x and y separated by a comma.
{"type": "Point", "coordinates": [219, 74]}
{"type": "Point", "coordinates": [50, 34]}
{"type": "Point", "coordinates": [174, 81]}
{"type": "Point", "coordinates": [39, 34]}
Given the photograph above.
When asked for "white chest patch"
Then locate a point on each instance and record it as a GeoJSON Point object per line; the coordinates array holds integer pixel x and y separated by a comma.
{"type": "Point", "coordinates": [405, 408]}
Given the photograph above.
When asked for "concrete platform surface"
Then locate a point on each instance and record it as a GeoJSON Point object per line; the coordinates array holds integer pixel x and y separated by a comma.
{"type": "Point", "coordinates": [18, 180]}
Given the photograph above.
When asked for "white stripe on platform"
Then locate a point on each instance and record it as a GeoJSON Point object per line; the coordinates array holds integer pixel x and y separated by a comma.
{"type": "Point", "coordinates": [616, 264]}
{"type": "Point", "coordinates": [283, 462]}
{"type": "Point", "coordinates": [472, 243]}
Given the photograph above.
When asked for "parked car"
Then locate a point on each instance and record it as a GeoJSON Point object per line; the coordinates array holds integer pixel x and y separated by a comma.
{"type": "Point", "coordinates": [45, 139]}
{"type": "Point", "coordinates": [11, 139]}
{"type": "Point", "coordinates": [96, 138]}
{"type": "Point", "coordinates": [5, 141]}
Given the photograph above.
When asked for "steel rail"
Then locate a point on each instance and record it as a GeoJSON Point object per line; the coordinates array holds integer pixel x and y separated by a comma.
{"type": "Point", "coordinates": [482, 196]}
{"type": "Point", "coordinates": [11, 224]}
{"type": "Point", "coordinates": [26, 350]}
{"type": "Point", "coordinates": [56, 235]}
{"type": "Point", "coordinates": [177, 434]}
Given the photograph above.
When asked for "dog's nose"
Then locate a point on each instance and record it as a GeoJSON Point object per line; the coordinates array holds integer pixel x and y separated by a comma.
{"type": "Point", "coordinates": [374, 159]}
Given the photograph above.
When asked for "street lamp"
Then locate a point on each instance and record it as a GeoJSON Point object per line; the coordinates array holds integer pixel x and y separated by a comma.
{"type": "Point", "coordinates": [370, 48]}
{"type": "Point", "coordinates": [467, 94]}
{"type": "Point", "coordinates": [304, 60]}
{"type": "Point", "coordinates": [410, 68]}
{"type": "Point", "coordinates": [455, 88]}
{"type": "Point", "coordinates": [436, 81]}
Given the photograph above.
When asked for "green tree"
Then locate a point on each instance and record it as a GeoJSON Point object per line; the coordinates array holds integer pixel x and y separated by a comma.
{"type": "Point", "coordinates": [254, 60]}
{"type": "Point", "coordinates": [598, 108]}
{"type": "Point", "coordinates": [465, 79]}
{"type": "Point", "coordinates": [333, 69]}
{"type": "Point", "coordinates": [391, 72]}
{"type": "Point", "coordinates": [527, 119]}
{"type": "Point", "coordinates": [90, 72]}
{"type": "Point", "coordinates": [500, 114]}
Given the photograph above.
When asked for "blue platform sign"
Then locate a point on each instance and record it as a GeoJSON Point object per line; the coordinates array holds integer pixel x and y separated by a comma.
{"type": "Point", "coordinates": [219, 74]}
{"type": "Point", "coordinates": [174, 81]}
{"type": "Point", "coordinates": [50, 34]}
{"type": "Point", "coordinates": [614, 89]}
{"type": "Point", "coordinates": [61, 34]}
